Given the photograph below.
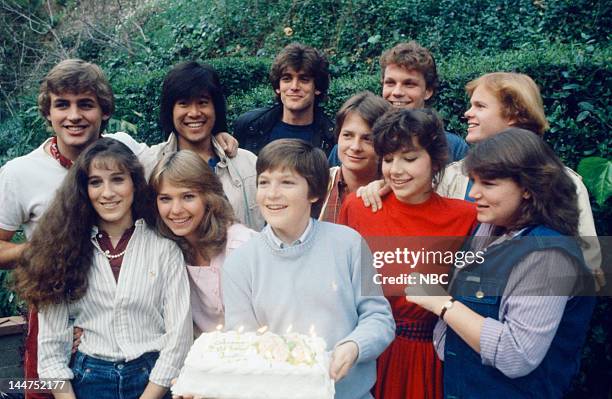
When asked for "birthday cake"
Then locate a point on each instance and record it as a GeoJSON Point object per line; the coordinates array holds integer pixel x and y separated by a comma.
{"type": "Point", "coordinates": [238, 365]}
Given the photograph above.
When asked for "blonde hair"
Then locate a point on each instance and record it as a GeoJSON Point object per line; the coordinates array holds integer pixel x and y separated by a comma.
{"type": "Point", "coordinates": [186, 169]}
{"type": "Point", "coordinates": [519, 96]}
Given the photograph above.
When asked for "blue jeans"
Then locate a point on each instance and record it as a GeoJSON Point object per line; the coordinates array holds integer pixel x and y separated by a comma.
{"type": "Point", "coordinates": [101, 379]}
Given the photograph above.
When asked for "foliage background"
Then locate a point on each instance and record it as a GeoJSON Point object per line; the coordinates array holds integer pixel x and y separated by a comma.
{"type": "Point", "coordinates": [564, 45]}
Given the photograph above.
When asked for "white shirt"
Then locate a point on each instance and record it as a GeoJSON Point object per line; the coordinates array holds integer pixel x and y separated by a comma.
{"type": "Point", "coordinates": [28, 185]}
{"type": "Point", "coordinates": [280, 243]}
{"type": "Point", "coordinates": [146, 310]}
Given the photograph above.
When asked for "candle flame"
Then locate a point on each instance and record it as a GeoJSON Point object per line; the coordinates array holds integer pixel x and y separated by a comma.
{"type": "Point", "coordinates": [289, 328]}
{"type": "Point", "coordinates": [240, 329]}
{"type": "Point", "coordinates": [220, 327]}
{"type": "Point", "coordinates": [312, 331]}
{"type": "Point", "coordinates": [262, 329]}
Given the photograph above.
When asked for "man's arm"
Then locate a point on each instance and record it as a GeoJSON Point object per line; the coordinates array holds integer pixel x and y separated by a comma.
{"type": "Point", "coordinates": [9, 252]}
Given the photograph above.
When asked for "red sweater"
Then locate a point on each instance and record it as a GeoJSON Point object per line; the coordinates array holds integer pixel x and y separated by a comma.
{"type": "Point", "coordinates": [390, 228]}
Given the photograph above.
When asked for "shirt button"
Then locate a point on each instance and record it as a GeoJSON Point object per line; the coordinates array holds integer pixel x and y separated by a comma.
{"type": "Point", "coordinates": [100, 235]}
{"type": "Point", "coordinates": [120, 366]}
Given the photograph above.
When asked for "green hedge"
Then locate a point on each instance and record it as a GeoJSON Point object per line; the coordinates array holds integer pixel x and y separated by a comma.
{"type": "Point", "coordinates": [354, 31]}
{"type": "Point", "coordinates": [575, 80]}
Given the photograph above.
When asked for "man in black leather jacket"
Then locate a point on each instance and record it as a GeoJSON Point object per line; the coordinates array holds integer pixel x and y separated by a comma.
{"type": "Point", "coordinates": [300, 79]}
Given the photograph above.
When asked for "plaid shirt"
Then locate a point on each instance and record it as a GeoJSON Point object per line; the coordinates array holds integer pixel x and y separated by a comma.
{"type": "Point", "coordinates": [336, 193]}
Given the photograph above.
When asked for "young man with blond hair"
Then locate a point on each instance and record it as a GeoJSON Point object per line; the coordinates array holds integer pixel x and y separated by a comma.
{"type": "Point", "coordinates": [410, 80]}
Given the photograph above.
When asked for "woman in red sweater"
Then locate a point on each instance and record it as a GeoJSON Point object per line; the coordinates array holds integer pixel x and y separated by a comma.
{"type": "Point", "coordinates": [413, 149]}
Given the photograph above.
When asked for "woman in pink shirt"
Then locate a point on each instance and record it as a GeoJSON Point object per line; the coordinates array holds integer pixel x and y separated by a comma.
{"type": "Point", "coordinates": [192, 210]}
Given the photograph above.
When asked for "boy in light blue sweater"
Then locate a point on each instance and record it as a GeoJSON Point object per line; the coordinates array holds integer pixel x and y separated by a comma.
{"type": "Point", "coordinates": [304, 274]}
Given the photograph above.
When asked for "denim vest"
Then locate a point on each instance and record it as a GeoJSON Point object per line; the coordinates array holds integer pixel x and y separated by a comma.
{"type": "Point", "coordinates": [480, 287]}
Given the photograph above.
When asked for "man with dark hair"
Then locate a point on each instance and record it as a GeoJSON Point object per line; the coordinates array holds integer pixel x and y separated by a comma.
{"type": "Point", "coordinates": [300, 79]}
{"type": "Point", "coordinates": [192, 114]}
{"type": "Point", "coordinates": [410, 80]}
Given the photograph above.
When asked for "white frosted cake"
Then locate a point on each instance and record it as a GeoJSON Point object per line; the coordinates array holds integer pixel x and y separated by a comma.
{"type": "Point", "coordinates": [235, 365]}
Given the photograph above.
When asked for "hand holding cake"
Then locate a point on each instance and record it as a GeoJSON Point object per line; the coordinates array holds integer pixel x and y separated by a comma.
{"type": "Point", "coordinates": [342, 360]}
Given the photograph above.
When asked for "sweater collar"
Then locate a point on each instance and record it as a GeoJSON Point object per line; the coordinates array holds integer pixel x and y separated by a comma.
{"type": "Point", "coordinates": [278, 243]}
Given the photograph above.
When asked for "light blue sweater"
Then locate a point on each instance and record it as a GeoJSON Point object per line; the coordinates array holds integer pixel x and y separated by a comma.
{"type": "Point", "coordinates": [315, 283]}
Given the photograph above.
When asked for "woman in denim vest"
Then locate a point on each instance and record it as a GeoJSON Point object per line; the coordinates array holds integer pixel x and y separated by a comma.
{"type": "Point", "coordinates": [515, 320]}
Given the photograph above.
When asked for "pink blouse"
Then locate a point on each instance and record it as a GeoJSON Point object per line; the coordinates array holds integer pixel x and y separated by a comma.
{"type": "Point", "coordinates": [205, 283]}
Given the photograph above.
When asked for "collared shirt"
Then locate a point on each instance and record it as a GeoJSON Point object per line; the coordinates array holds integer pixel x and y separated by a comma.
{"type": "Point", "coordinates": [116, 253]}
{"type": "Point", "coordinates": [279, 243]}
{"type": "Point", "coordinates": [147, 310]}
{"type": "Point", "coordinates": [205, 282]}
{"type": "Point", "coordinates": [336, 193]}
{"type": "Point", "coordinates": [237, 175]}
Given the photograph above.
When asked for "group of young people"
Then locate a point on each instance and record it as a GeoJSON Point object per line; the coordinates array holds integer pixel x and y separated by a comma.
{"type": "Point", "coordinates": [132, 250]}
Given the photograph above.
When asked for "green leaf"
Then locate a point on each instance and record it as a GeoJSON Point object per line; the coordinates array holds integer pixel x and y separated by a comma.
{"type": "Point", "coordinates": [587, 106]}
{"type": "Point", "coordinates": [571, 86]}
{"type": "Point", "coordinates": [582, 116]}
{"type": "Point", "coordinates": [597, 175]}
{"type": "Point", "coordinates": [374, 39]}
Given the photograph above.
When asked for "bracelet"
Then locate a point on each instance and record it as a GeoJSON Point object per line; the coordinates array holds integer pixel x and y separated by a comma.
{"type": "Point", "coordinates": [447, 306]}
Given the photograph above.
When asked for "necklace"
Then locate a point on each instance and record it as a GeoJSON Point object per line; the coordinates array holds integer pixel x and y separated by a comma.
{"type": "Point", "coordinates": [107, 252]}
{"type": "Point", "coordinates": [109, 256]}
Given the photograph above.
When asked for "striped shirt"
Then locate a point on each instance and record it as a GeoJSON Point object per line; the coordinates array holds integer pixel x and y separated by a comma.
{"type": "Point", "coordinates": [147, 310]}
{"type": "Point", "coordinates": [517, 343]}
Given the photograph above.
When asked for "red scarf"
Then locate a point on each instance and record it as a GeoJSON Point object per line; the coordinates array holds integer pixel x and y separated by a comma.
{"type": "Point", "coordinates": [56, 154]}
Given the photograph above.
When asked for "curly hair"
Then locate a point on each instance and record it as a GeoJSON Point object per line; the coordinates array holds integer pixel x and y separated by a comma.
{"type": "Point", "coordinates": [524, 157]}
{"type": "Point", "coordinates": [302, 58]}
{"type": "Point", "coordinates": [186, 169]}
{"type": "Point", "coordinates": [519, 96]}
{"type": "Point", "coordinates": [55, 264]}
{"type": "Point", "coordinates": [76, 76]}
{"type": "Point", "coordinates": [396, 129]}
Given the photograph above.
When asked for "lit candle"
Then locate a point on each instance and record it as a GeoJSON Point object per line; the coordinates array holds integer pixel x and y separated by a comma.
{"type": "Point", "coordinates": [289, 328]}
{"type": "Point", "coordinates": [262, 330]}
{"type": "Point", "coordinates": [240, 329]}
{"type": "Point", "coordinates": [312, 331]}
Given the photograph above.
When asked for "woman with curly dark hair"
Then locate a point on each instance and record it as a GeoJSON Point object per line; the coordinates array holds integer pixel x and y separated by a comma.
{"type": "Point", "coordinates": [193, 210]}
{"type": "Point", "coordinates": [515, 321]}
{"type": "Point", "coordinates": [94, 263]}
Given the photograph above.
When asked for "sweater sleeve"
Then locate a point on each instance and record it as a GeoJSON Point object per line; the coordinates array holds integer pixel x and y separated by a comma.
{"type": "Point", "coordinates": [237, 292]}
{"type": "Point", "coordinates": [375, 326]}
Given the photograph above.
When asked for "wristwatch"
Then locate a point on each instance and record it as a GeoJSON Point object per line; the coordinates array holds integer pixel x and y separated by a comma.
{"type": "Point", "coordinates": [446, 306]}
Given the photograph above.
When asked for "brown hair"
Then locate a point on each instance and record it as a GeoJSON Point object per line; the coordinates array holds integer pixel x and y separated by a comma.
{"type": "Point", "coordinates": [366, 104]}
{"type": "Point", "coordinates": [395, 130]}
{"type": "Point", "coordinates": [303, 158]}
{"type": "Point", "coordinates": [412, 55]}
{"type": "Point", "coordinates": [519, 96]}
{"type": "Point", "coordinates": [525, 158]}
{"type": "Point", "coordinates": [56, 263]}
{"type": "Point", "coordinates": [76, 76]}
{"type": "Point", "coordinates": [302, 58]}
{"type": "Point", "coordinates": [186, 169]}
